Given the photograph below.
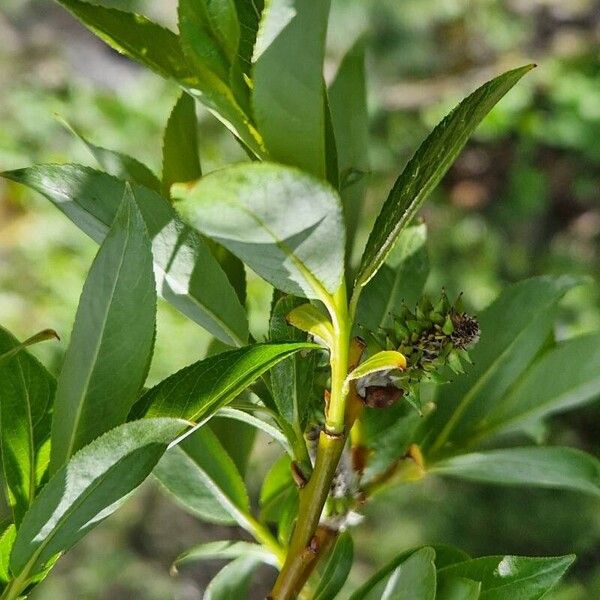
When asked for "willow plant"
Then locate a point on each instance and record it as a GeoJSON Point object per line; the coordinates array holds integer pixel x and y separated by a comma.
{"type": "Point", "coordinates": [363, 381]}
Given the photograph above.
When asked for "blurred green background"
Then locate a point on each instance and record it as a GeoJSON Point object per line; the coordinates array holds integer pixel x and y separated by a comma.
{"type": "Point", "coordinates": [523, 199]}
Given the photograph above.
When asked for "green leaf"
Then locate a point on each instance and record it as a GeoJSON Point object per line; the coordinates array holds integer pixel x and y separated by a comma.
{"type": "Point", "coordinates": [204, 479]}
{"type": "Point", "coordinates": [118, 164]}
{"type": "Point", "coordinates": [249, 16]}
{"type": "Point", "coordinates": [232, 581]}
{"type": "Point", "coordinates": [199, 390]}
{"type": "Point", "coordinates": [429, 164]}
{"type": "Point", "coordinates": [337, 568]}
{"type": "Point", "coordinates": [182, 262]}
{"type": "Point", "coordinates": [90, 487]}
{"type": "Point", "coordinates": [233, 414]}
{"type": "Point", "coordinates": [225, 550]}
{"type": "Point", "coordinates": [276, 490]}
{"type": "Point", "coordinates": [510, 577]}
{"type": "Point", "coordinates": [401, 279]}
{"type": "Point", "coordinates": [544, 467]}
{"type": "Point", "coordinates": [291, 379]}
{"type": "Point", "coordinates": [288, 96]}
{"type": "Point", "coordinates": [414, 578]}
{"type": "Point", "coordinates": [348, 104]}
{"type": "Point", "coordinates": [112, 340]}
{"type": "Point", "coordinates": [134, 36]}
{"type": "Point", "coordinates": [307, 317]}
{"type": "Point", "coordinates": [7, 540]}
{"type": "Point", "coordinates": [181, 158]}
{"type": "Point", "coordinates": [563, 378]}
{"type": "Point", "coordinates": [232, 266]}
{"type": "Point", "coordinates": [514, 328]}
{"type": "Point", "coordinates": [26, 397]}
{"type": "Point", "coordinates": [41, 336]}
{"type": "Point", "coordinates": [237, 434]}
{"type": "Point", "coordinates": [160, 49]}
{"type": "Point", "coordinates": [284, 224]}
{"type": "Point", "coordinates": [459, 588]}
{"type": "Point", "coordinates": [210, 34]}
{"type": "Point", "coordinates": [382, 361]}
{"type": "Point", "coordinates": [417, 572]}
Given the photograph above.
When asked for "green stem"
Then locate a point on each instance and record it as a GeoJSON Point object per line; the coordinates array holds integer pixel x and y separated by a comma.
{"type": "Point", "coordinates": [312, 501]}
{"type": "Point", "coordinates": [301, 555]}
{"type": "Point", "coordinates": [264, 537]}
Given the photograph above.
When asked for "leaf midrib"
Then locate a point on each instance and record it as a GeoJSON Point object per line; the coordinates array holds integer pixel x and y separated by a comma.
{"type": "Point", "coordinates": [100, 339]}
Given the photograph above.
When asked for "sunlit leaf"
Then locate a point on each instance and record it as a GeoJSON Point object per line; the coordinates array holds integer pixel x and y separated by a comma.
{"type": "Point", "coordinates": [26, 397]}
{"type": "Point", "coordinates": [426, 168]}
{"type": "Point", "coordinates": [284, 224]}
{"type": "Point", "coordinates": [112, 340]}
{"type": "Point", "coordinates": [182, 262]}
{"type": "Point", "coordinates": [90, 487]}
{"type": "Point", "coordinates": [196, 392]}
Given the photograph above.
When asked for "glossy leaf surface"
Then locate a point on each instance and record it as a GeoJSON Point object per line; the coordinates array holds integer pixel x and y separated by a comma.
{"type": "Point", "coordinates": [199, 390]}
{"type": "Point", "coordinates": [429, 164]}
{"type": "Point", "coordinates": [511, 577]}
{"type": "Point", "coordinates": [537, 466]}
{"type": "Point", "coordinates": [90, 487]}
{"type": "Point", "coordinates": [26, 398]}
{"type": "Point", "coordinates": [284, 224]}
{"type": "Point", "coordinates": [188, 276]}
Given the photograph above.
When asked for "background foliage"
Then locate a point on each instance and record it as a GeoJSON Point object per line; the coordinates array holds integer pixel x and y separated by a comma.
{"type": "Point", "coordinates": [522, 200]}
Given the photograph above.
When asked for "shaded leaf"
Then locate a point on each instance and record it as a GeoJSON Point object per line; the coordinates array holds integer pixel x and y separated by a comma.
{"type": "Point", "coordinates": [232, 581]}
{"type": "Point", "coordinates": [210, 34]}
{"type": "Point", "coordinates": [514, 328]}
{"type": "Point", "coordinates": [337, 568]}
{"type": "Point", "coordinates": [459, 588]}
{"type": "Point", "coordinates": [236, 435]}
{"type": "Point", "coordinates": [544, 467]}
{"type": "Point", "coordinates": [373, 587]}
{"type": "Point", "coordinates": [196, 392]}
{"type": "Point", "coordinates": [413, 578]}
{"type": "Point", "coordinates": [348, 105]}
{"type": "Point", "coordinates": [225, 550]}
{"type": "Point", "coordinates": [204, 479]}
{"type": "Point", "coordinates": [563, 378]}
{"type": "Point", "coordinates": [400, 279]}
{"type": "Point", "coordinates": [90, 487]}
{"type": "Point", "coordinates": [182, 262]}
{"type": "Point", "coordinates": [511, 577]}
{"type": "Point", "coordinates": [232, 415]}
{"type": "Point", "coordinates": [112, 340]}
{"type": "Point", "coordinates": [118, 164]}
{"type": "Point", "coordinates": [284, 224]}
{"type": "Point", "coordinates": [249, 16]}
{"type": "Point", "coordinates": [288, 95]}
{"type": "Point", "coordinates": [426, 168]}
{"type": "Point", "coordinates": [26, 397]}
{"type": "Point", "coordinates": [291, 379]}
{"type": "Point", "coordinates": [180, 154]}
